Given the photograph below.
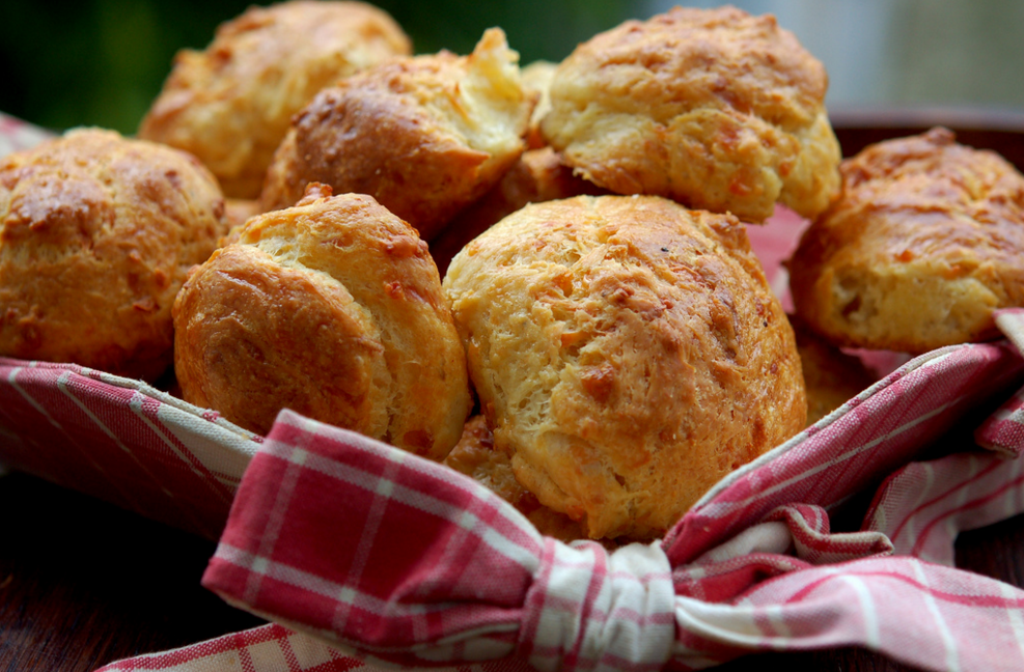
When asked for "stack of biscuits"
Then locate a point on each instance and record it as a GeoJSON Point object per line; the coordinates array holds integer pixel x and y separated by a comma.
{"type": "Point", "coordinates": [539, 276]}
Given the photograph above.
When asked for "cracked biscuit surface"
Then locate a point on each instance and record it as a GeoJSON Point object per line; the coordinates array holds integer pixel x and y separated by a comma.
{"type": "Point", "coordinates": [627, 352]}
{"type": "Point", "coordinates": [716, 109]}
{"type": "Point", "coordinates": [925, 243]}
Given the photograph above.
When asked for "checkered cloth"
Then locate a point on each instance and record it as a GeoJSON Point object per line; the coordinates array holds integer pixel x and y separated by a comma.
{"type": "Point", "coordinates": [387, 558]}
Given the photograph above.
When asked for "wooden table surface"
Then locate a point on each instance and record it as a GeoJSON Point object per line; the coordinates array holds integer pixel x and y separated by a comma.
{"type": "Point", "coordinates": [83, 583]}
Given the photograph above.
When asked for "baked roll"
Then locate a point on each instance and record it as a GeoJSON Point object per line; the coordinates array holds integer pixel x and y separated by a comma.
{"type": "Point", "coordinates": [925, 243]}
{"type": "Point", "coordinates": [331, 308]}
{"type": "Point", "coordinates": [425, 136]}
{"type": "Point", "coordinates": [716, 109]}
{"type": "Point", "coordinates": [97, 233]}
{"type": "Point", "coordinates": [230, 104]}
{"type": "Point", "coordinates": [627, 352]}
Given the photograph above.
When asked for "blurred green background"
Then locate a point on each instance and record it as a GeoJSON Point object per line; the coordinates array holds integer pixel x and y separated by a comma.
{"type": "Point", "coordinates": [101, 62]}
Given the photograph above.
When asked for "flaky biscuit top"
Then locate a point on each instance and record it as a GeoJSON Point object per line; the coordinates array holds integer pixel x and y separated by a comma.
{"type": "Point", "coordinates": [926, 241]}
{"type": "Point", "coordinates": [714, 108]}
{"type": "Point", "coordinates": [97, 233]}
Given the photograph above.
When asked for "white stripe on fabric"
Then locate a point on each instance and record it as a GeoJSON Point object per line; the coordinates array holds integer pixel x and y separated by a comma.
{"type": "Point", "coordinates": [62, 385]}
{"type": "Point", "coordinates": [415, 464]}
{"type": "Point", "coordinates": [722, 509]}
{"type": "Point", "coordinates": [485, 646]}
{"type": "Point", "coordinates": [13, 380]}
{"type": "Point", "coordinates": [225, 453]}
{"type": "Point", "coordinates": [87, 455]}
{"type": "Point", "coordinates": [367, 540]}
{"type": "Point", "coordinates": [872, 634]}
{"type": "Point", "coordinates": [771, 537]}
{"type": "Point", "coordinates": [352, 475]}
{"type": "Point", "coordinates": [315, 583]}
{"type": "Point", "coordinates": [269, 535]}
{"type": "Point", "coordinates": [135, 403]}
{"type": "Point", "coordinates": [951, 523]}
{"type": "Point", "coordinates": [777, 617]}
{"type": "Point", "coordinates": [720, 622]}
{"type": "Point", "coordinates": [611, 611]}
{"type": "Point", "coordinates": [1011, 323]}
{"type": "Point", "coordinates": [948, 642]}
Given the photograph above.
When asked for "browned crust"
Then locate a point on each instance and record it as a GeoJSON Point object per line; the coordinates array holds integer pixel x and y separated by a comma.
{"type": "Point", "coordinates": [400, 132]}
{"type": "Point", "coordinates": [332, 308]}
{"type": "Point", "coordinates": [717, 109]}
{"type": "Point", "coordinates": [231, 103]}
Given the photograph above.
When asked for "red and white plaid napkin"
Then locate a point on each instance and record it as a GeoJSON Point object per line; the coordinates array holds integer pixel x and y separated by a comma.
{"type": "Point", "coordinates": [361, 553]}
{"type": "Point", "coordinates": [379, 556]}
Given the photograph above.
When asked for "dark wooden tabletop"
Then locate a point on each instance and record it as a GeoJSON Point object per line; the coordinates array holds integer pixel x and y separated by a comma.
{"type": "Point", "coordinates": [83, 583]}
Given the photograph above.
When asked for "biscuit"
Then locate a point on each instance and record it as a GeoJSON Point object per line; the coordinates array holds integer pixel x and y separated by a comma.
{"type": "Point", "coordinates": [628, 354]}
{"type": "Point", "coordinates": [716, 109]}
{"type": "Point", "coordinates": [539, 175]}
{"type": "Point", "coordinates": [230, 105]}
{"type": "Point", "coordinates": [925, 243]}
{"type": "Point", "coordinates": [97, 233]}
{"type": "Point", "coordinates": [425, 136]}
{"type": "Point", "coordinates": [331, 308]}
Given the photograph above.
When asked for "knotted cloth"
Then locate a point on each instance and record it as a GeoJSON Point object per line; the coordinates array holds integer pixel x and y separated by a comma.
{"type": "Point", "coordinates": [393, 558]}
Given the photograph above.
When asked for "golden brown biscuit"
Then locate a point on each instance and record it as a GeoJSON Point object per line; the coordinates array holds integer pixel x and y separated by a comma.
{"type": "Point", "coordinates": [539, 175]}
{"type": "Point", "coordinates": [97, 233]}
{"type": "Point", "coordinates": [425, 136]}
{"type": "Point", "coordinates": [230, 105]}
{"type": "Point", "coordinates": [628, 354]}
{"type": "Point", "coordinates": [926, 241]}
{"type": "Point", "coordinates": [332, 308]}
{"type": "Point", "coordinates": [831, 376]}
{"type": "Point", "coordinates": [474, 455]}
{"type": "Point", "coordinates": [714, 108]}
